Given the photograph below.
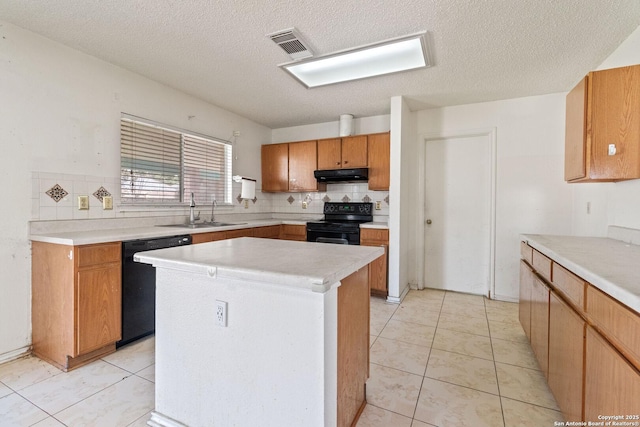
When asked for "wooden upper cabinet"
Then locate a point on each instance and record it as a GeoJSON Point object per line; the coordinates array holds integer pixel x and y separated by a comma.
{"type": "Point", "coordinates": [329, 153]}
{"type": "Point", "coordinates": [603, 127]}
{"type": "Point", "coordinates": [342, 153]}
{"type": "Point", "coordinates": [379, 152]}
{"type": "Point", "coordinates": [275, 167]}
{"type": "Point", "coordinates": [354, 151]}
{"type": "Point", "coordinates": [302, 162]}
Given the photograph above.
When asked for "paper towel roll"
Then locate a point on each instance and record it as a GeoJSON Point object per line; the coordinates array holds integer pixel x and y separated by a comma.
{"type": "Point", "coordinates": [248, 188]}
{"type": "Point", "coordinates": [346, 125]}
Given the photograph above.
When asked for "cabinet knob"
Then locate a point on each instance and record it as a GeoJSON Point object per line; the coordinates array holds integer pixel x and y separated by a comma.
{"type": "Point", "coordinates": [612, 149]}
{"type": "Point", "coordinates": [338, 163]}
{"type": "Point", "coordinates": [428, 222]}
{"type": "Point", "coordinates": [346, 161]}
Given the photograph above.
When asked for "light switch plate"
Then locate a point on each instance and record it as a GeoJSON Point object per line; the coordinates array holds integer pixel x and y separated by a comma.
{"type": "Point", "coordinates": [107, 202]}
{"type": "Point", "coordinates": [83, 203]}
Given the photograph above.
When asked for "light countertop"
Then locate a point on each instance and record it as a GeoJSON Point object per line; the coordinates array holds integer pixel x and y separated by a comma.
{"type": "Point", "coordinates": [104, 235]}
{"type": "Point", "coordinates": [610, 265]}
{"type": "Point", "coordinates": [375, 224]}
{"type": "Point", "coordinates": [313, 266]}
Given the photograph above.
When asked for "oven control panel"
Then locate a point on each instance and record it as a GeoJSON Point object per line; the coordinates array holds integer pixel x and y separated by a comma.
{"type": "Point", "coordinates": [348, 208]}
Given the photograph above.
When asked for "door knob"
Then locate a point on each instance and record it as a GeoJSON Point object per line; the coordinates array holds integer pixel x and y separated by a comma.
{"type": "Point", "coordinates": [428, 222]}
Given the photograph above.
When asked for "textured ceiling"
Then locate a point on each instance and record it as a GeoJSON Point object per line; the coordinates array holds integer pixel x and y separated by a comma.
{"type": "Point", "coordinates": [218, 50]}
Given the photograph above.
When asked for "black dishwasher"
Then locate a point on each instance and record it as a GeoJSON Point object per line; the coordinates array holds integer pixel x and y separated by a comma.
{"type": "Point", "coordinates": [139, 287]}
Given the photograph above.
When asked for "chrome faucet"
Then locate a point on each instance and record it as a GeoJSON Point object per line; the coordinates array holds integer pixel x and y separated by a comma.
{"type": "Point", "coordinates": [192, 216]}
{"type": "Point", "coordinates": [213, 205]}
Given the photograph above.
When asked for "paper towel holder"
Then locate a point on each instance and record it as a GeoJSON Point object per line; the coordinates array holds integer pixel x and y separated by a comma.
{"type": "Point", "coordinates": [239, 178]}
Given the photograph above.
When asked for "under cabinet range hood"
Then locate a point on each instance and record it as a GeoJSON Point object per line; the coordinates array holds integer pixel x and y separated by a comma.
{"type": "Point", "coordinates": [342, 175]}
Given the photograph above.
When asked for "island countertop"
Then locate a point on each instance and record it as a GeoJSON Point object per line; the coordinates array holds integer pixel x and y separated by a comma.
{"type": "Point", "coordinates": [313, 266]}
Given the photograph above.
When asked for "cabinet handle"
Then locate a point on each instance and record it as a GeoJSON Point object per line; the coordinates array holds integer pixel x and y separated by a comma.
{"type": "Point", "coordinates": [346, 161]}
{"type": "Point", "coordinates": [612, 149]}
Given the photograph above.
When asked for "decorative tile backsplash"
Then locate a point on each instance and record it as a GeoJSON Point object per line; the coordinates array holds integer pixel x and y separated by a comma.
{"type": "Point", "coordinates": [47, 187]}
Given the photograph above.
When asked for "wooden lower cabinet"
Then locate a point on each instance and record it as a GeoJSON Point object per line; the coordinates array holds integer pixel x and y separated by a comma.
{"type": "Point", "coordinates": [612, 384]}
{"type": "Point", "coordinates": [353, 346]}
{"type": "Point", "coordinates": [294, 232]}
{"type": "Point", "coordinates": [526, 285]}
{"type": "Point", "coordinates": [378, 277]}
{"type": "Point", "coordinates": [76, 302]}
{"type": "Point", "coordinates": [540, 323]}
{"type": "Point", "coordinates": [566, 357]}
{"type": "Point", "coordinates": [268, 232]}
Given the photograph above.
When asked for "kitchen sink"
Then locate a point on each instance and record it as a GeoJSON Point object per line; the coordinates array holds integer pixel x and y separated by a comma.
{"type": "Point", "coordinates": [203, 224]}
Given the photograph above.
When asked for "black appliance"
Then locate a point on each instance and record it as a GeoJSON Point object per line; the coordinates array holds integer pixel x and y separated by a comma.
{"type": "Point", "coordinates": [139, 287]}
{"type": "Point", "coordinates": [341, 175]}
{"type": "Point", "coordinates": [341, 223]}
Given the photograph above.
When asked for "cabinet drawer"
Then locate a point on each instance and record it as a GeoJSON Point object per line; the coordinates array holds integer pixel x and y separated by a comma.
{"type": "Point", "coordinates": [374, 236]}
{"type": "Point", "coordinates": [98, 254]}
{"type": "Point", "coordinates": [617, 322]}
{"type": "Point", "coordinates": [570, 285]}
{"type": "Point", "coordinates": [526, 252]}
{"type": "Point", "coordinates": [541, 264]}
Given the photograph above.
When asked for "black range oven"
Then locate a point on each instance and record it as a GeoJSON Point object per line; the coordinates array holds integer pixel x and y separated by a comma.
{"type": "Point", "coordinates": [341, 223]}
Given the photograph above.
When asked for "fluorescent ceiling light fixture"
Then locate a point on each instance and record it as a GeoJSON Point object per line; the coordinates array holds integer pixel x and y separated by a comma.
{"type": "Point", "coordinates": [390, 56]}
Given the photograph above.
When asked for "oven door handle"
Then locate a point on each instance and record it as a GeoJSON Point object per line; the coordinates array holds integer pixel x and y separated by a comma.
{"type": "Point", "coordinates": [332, 240]}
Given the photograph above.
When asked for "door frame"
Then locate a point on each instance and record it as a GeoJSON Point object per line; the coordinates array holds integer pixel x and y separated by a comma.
{"type": "Point", "coordinates": [423, 139]}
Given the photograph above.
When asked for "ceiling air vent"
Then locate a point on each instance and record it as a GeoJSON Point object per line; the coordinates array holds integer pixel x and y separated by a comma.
{"type": "Point", "coordinates": [290, 41]}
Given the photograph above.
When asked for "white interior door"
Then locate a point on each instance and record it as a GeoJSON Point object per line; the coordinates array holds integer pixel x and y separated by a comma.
{"type": "Point", "coordinates": [458, 214]}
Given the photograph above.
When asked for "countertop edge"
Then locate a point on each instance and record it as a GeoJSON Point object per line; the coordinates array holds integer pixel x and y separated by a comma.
{"type": "Point", "coordinates": [615, 290]}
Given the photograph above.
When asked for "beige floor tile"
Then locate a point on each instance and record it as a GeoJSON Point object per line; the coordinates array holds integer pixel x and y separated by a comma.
{"type": "Point", "coordinates": [135, 356]}
{"type": "Point", "coordinates": [426, 294]}
{"type": "Point", "coordinates": [380, 307]}
{"type": "Point", "coordinates": [148, 373]}
{"type": "Point", "coordinates": [470, 325]}
{"type": "Point", "coordinates": [49, 422]}
{"type": "Point", "coordinates": [525, 385]}
{"type": "Point", "coordinates": [64, 390]}
{"type": "Point", "coordinates": [520, 414]}
{"type": "Point", "coordinates": [417, 423]}
{"type": "Point", "coordinates": [142, 421]}
{"type": "Point", "coordinates": [27, 371]}
{"type": "Point", "coordinates": [447, 405]}
{"type": "Point", "coordinates": [505, 306]}
{"type": "Point", "coordinates": [463, 343]}
{"type": "Point", "coordinates": [117, 405]}
{"type": "Point", "coordinates": [514, 353]}
{"type": "Point", "coordinates": [411, 333]}
{"type": "Point", "coordinates": [463, 299]}
{"type": "Point", "coordinates": [15, 410]}
{"type": "Point", "coordinates": [372, 340]}
{"type": "Point", "coordinates": [467, 371]}
{"type": "Point", "coordinates": [393, 390]}
{"type": "Point", "coordinates": [4, 390]}
{"type": "Point", "coordinates": [376, 325]}
{"type": "Point", "coordinates": [471, 310]}
{"type": "Point", "coordinates": [400, 355]}
{"type": "Point", "coordinates": [507, 331]}
{"type": "Point", "coordinates": [417, 314]}
{"type": "Point", "coordinates": [378, 417]}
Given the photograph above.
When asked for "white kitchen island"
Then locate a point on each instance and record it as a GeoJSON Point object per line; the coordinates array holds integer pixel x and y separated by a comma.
{"type": "Point", "coordinates": [295, 349]}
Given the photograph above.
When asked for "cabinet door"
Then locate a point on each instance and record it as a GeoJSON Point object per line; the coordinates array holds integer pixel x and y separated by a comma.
{"type": "Point", "coordinates": [275, 167]}
{"type": "Point", "coordinates": [526, 283]}
{"type": "Point", "coordinates": [378, 274]}
{"type": "Point", "coordinates": [294, 232]}
{"type": "Point", "coordinates": [540, 323]}
{"type": "Point", "coordinates": [269, 232]}
{"type": "Point", "coordinates": [98, 305]}
{"type": "Point", "coordinates": [612, 385]}
{"type": "Point", "coordinates": [615, 119]}
{"type": "Point", "coordinates": [379, 151]}
{"type": "Point", "coordinates": [302, 163]}
{"type": "Point", "coordinates": [208, 237]}
{"type": "Point", "coordinates": [354, 152]}
{"type": "Point", "coordinates": [243, 232]}
{"type": "Point", "coordinates": [329, 153]}
{"type": "Point", "coordinates": [575, 155]}
{"type": "Point", "coordinates": [566, 357]}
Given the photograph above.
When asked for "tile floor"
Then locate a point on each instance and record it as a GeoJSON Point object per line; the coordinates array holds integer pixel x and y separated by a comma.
{"type": "Point", "coordinates": [438, 359]}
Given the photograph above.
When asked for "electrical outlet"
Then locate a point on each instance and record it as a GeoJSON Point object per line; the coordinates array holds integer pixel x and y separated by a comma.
{"type": "Point", "coordinates": [107, 203]}
{"type": "Point", "coordinates": [378, 205]}
{"type": "Point", "coordinates": [304, 205]}
{"type": "Point", "coordinates": [246, 204]}
{"type": "Point", "coordinates": [221, 313]}
{"type": "Point", "coordinates": [83, 203]}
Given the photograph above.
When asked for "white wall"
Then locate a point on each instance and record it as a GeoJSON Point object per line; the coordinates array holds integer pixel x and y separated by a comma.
{"type": "Point", "coordinates": [531, 195]}
{"type": "Point", "coordinates": [60, 114]}
{"type": "Point", "coordinates": [361, 125]}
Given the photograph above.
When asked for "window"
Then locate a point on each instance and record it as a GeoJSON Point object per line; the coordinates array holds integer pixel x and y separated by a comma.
{"type": "Point", "coordinates": [163, 165]}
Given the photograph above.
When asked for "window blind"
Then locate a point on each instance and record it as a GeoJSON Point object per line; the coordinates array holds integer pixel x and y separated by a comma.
{"type": "Point", "coordinates": [163, 165]}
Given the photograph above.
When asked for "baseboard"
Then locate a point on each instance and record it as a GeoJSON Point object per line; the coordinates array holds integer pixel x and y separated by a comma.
{"type": "Point", "coordinates": [504, 298]}
{"type": "Point", "coordinates": [15, 354]}
{"type": "Point", "coordinates": [159, 420]}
